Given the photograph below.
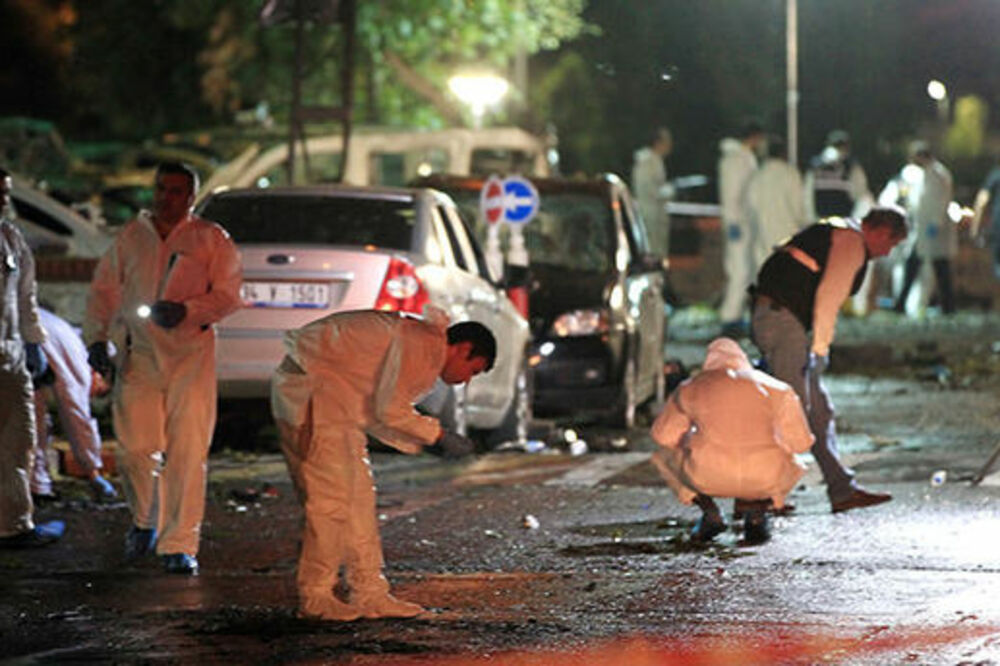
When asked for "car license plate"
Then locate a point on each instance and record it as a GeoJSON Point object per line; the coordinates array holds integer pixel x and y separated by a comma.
{"type": "Point", "coordinates": [286, 294]}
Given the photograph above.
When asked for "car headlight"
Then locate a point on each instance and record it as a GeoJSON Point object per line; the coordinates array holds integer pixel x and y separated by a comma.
{"type": "Point", "coordinates": [580, 322]}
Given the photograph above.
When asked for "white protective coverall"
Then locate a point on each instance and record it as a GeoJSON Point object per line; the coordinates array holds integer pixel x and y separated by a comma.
{"type": "Point", "coordinates": [346, 375]}
{"type": "Point", "coordinates": [731, 431]}
{"type": "Point", "coordinates": [18, 324]}
{"type": "Point", "coordinates": [67, 357]}
{"type": "Point", "coordinates": [163, 400]}
{"type": "Point", "coordinates": [736, 165]}
{"type": "Point", "coordinates": [774, 199]}
{"type": "Point", "coordinates": [652, 192]}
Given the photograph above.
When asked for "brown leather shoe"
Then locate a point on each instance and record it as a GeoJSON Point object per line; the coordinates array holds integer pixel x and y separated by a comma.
{"type": "Point", "coordinates": [859, 499]}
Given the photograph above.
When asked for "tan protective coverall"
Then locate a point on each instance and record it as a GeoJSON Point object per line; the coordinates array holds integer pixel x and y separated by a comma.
{"type": "Point", "coordinates": [731, 431]}
{"type": "Point", "coordinates": [165, 389]}
{"type": "Point", "coordinates": [18, 324]}
{"type": "Point", "coordinates": [346, 375]}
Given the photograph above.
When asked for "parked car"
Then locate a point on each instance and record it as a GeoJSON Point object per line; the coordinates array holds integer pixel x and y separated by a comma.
{"type": "Point", "coordinates": [54, 229]}
{"type": "Point", "coordinates": [311, 251]}
{"type": "Point", "coordinates": [66, 246]}
{"type": "Point", "coordinates": [596, 306]}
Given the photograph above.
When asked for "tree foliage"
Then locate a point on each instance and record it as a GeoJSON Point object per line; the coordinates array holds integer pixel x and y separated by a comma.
{"type": "Point", "coordinates": [177, 63]}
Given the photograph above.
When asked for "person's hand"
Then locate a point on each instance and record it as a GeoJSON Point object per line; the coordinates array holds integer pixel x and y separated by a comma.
{"type": "Point", "coordinates": [452, 445]}
{"type": "Point", "coordinates": [34, 360]}
{"type": "Point", "coordinates": [818, 363]}
{"type": "Point", "coordinates": [97, 357]}
{"type": "Point", "coordinates": [167, 314]}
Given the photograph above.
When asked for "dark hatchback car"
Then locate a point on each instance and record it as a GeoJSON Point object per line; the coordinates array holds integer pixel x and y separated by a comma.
{"type": "Point", "coordinates": [596, 307]}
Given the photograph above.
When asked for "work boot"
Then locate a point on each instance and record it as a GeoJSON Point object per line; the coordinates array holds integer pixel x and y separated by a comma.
{"type": "Point", "coordinates": [328, 608]}
{"type": "Point", "coordinates": [180, 563]}
{"type": "Point", "coordinates": [139, 541]}
{"type": "Point", "coordinates": [102, 489]}
{"type": "Point", "coordinates": [387, 606]}
{"type": "Point", "coordinates": [41, 535]}
{"type": "Point", "coordinates": [756, 528]}
{"type": "Point", "coordinates": [707, 528]}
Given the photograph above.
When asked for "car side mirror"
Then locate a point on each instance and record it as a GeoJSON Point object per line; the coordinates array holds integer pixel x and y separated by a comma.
{"type": "Point", "coordinates": [649, 262]}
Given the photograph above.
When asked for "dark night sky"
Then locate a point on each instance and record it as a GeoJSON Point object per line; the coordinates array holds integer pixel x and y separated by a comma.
{"type": "Point", "coordinates": [863, 66]}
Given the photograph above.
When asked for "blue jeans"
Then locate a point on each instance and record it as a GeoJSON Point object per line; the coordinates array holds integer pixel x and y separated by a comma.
{"type": "Point", "coordinates": [785, 344]}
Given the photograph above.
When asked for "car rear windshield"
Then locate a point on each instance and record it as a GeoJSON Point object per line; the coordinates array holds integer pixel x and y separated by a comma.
{"type": "Point", "coordinates": [572, 230]}
{"type": "Point", "coordinates": [314, 220]}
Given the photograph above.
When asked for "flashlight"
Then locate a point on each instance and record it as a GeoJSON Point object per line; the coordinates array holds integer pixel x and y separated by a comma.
{"type": "Point", "coordinates": [144, 311]}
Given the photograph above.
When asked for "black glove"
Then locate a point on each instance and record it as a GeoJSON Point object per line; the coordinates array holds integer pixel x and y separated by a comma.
{"type": "Point", "coordinates": [167, 314]}
{"type": "Point", "coordinates": [34, 360]}
{"type": "Point", "coordinates": [452, 445]}
{"type": "Point", "coordinates": [97, 357]}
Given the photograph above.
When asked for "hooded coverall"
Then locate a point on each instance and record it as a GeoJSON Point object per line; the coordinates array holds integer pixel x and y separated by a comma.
{"type": "Point", "coordinates": [731, 431]}
{"type": "Point", "coordinates": [774, 199]}
{"type": "Point", "coordinates": [649, 182]}
{"type": "Point", "coordinates": [936, 237]}
{"type": "Point", "coordinates": [67, 357]}
{"type": "Point", "coordinates": [163, 400]}
{"type": "Point", "coordinates": [736, 165]}
{"type": "Point", "coordinates": [18, 324]}
{"type": "Point", "coordinates": [346, 375]}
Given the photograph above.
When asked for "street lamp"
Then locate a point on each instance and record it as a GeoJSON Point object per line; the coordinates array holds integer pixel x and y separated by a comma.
{"type": "Point", "coordinates": [479, 91]}
{"type": "Point", "coordinates": [939, 93]}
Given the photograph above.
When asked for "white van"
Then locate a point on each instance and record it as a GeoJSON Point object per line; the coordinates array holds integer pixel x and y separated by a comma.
{"type": "Point", "coordinates": [379, 156]}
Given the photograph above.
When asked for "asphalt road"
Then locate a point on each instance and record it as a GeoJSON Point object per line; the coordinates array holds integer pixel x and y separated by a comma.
{"type": "Point", "coordinates": [608, 575]}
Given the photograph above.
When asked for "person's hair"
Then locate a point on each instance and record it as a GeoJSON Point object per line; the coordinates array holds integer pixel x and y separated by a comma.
{"type": "Point", "coordinates": [750, 127]}
{"type": "Point", "coordinates": [182, 169]}
{"type": "Point", "coordinates": [776, 147]}
{"type": "Point", "coordinates": [659, 134]}
{"type": "Point", "coordinates": [920, 148]}
{"type": "Point", "coordinates": [887, 216]}
{"type": "Point", "coordinates": [838, 137]}
{"type": "Point", "coordinates": [484, 345]}
{"type": "Point", "coordinates": [4, 173]}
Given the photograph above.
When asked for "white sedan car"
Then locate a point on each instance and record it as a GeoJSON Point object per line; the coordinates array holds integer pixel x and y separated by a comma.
{"type": "Point", "coordinates": [311, 251]}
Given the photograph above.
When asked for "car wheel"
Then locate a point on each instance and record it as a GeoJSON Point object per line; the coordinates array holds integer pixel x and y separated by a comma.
{"type": "Point", "coordinates": [624, 414]}
{"type": "Point", "coordinates": [517, 420]}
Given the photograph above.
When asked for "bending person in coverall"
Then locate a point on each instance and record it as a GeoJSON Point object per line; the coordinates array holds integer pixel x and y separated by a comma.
{"type": "Point", "coordinates": [21, 358]}
{"type": "Point", "coordinates": [345, 376]}
{"type": "Point", "coordinates": [156, 294]}
{"type": "Point", "coordinates": [731, 431]}
{"type": "Point", "coordinates": [69, 380]}
{"type": "Point", "coordinates": [798, 295]}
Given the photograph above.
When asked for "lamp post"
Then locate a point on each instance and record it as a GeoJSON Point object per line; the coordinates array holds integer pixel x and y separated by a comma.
{"type": "Point", "coordinates": [479, 92]}
{"type": "Point", "coordinates": [939, 93]}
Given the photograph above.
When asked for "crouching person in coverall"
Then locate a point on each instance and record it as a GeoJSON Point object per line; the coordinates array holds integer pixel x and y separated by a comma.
{"type": "Point", "coordinates": [731, 431]}
{"type": "Point", "coordinates": [345, 376]}
{"type": "Point", "coordinates": [156, 294]}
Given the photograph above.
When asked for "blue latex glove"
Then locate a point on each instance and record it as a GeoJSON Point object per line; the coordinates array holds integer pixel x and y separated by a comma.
{"type": "Point", "coordinates": [34, 359]}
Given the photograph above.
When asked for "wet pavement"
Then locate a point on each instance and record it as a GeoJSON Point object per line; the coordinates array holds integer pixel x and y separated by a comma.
{"type": "Point", "coordinates": [602, 572]}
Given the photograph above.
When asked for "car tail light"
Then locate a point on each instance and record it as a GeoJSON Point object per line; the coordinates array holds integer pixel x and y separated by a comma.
{"type": "Point", "coordinates": [401, 290]}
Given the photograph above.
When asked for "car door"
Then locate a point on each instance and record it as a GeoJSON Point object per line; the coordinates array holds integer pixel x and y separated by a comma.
{"type": "Point", "coordinates": [644, 287]}
{"type": "Point", "coordinates": [483, 302]}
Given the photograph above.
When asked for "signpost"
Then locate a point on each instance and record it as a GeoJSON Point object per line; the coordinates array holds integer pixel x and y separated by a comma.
{"type": "Point", "coordinates": [513, 200]}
